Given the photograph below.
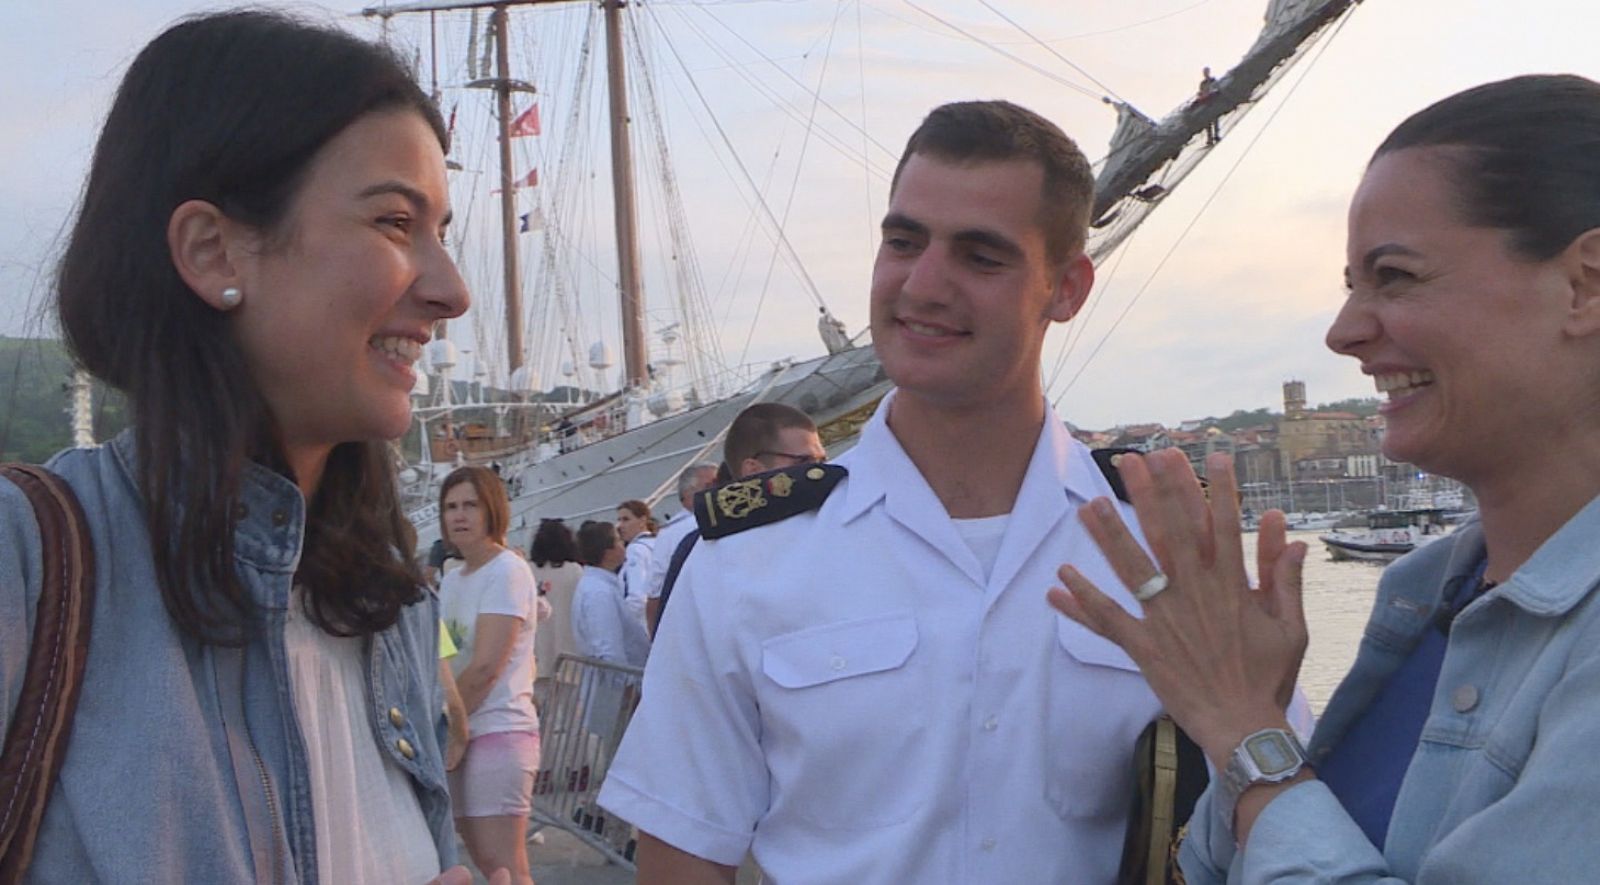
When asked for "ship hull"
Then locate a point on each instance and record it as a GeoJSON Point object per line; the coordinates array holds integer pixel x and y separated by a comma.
{"type": "Point", "coordinates": [643, 462]}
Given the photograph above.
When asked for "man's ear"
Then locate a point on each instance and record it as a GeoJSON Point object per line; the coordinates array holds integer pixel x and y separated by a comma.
{"type": "Point", "coordinates": [204, 243]}
{"type": "Point", "coordinates": [1582, 260]}
{"type": "Point", "coordinates": [1073, 282]}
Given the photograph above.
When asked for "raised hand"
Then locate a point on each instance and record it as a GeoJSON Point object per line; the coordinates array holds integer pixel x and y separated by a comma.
{"type": "Point", "coordinates": [1222, 656]}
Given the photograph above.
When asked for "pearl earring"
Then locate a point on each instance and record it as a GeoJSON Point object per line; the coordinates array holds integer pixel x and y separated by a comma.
{"type": "Point", "coordinates": [231, 297]}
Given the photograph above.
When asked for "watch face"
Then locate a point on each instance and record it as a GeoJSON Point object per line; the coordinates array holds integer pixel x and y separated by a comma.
{"type": "Point", "coordinates": [1272, 753]}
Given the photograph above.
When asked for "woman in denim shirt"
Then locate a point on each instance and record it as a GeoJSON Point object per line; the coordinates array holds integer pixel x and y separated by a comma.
{"type": "Point", "coordinates": [1460, 748]}
{"type": "Point", "coordinates": [256, 264]}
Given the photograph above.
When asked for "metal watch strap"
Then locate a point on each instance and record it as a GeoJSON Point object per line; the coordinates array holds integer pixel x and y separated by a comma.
{"type": "Point", "coordinates": [1241, 772]}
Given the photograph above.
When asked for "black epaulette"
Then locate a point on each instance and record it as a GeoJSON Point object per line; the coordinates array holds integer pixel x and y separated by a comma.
{"type": "Point", "coordinates": [1106, 460]}
{"type": "Point", "coordinates": [764, 498]}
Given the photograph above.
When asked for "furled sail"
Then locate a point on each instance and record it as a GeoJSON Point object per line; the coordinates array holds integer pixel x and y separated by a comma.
{"type": "Point", "coordinates": [1147, 160]}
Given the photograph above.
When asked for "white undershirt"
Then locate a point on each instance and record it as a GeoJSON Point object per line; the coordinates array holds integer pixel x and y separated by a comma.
{"type": "Point", "coordinates": [984, 535]}
{"type": "Point", "coordinates": [370, 828]}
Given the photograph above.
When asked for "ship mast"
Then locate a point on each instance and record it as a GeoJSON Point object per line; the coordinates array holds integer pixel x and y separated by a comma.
{"type": "Point", "coordinates": [633, 344]}
{"type": "Point", "coordinates": [500, 23]}
{"type": "Point", "coordinates": [623, 202]}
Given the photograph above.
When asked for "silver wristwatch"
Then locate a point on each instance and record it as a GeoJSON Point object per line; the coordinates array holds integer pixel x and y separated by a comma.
{"type": "Point", "coordinates": [1270, 756]}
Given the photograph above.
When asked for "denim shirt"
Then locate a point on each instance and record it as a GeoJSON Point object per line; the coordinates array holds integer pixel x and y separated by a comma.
{"type": "Point", "coordinates": [1504, 785]}
{"type": "Point", "coordinates": [175, 744]}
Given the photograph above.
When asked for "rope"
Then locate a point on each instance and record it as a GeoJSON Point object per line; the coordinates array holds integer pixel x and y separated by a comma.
{"type": "Point", "coordinates": [766, 213]}
{"type": "Point", "coordinates": [1019, 60]}
{"type": "Point", "coordinates": [794, 185]}
{"type": "Point", "coordinates": [1050, 49]}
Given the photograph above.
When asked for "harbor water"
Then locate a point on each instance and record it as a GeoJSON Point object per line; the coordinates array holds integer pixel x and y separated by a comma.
{"type": "Point", "coordinates": [1338, 598]}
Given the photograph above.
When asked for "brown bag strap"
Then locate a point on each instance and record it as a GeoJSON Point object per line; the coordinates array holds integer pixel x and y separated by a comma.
{"type": "Point", "coordinates": [41, 724]}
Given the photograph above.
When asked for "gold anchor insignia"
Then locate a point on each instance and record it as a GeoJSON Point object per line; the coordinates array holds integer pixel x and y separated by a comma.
{"type": "Point", "coordinates": [737, 500]}
{"type": "Point", "coordinates": [780, 486]}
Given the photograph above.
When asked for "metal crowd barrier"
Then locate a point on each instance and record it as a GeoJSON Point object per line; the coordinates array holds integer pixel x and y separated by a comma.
{"type": "Point", "coordinates": [586, 708]}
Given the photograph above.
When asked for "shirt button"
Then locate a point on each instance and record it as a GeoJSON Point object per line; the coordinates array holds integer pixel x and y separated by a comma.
{"type": "Point", "coordinates": [404, 746]}
{"type": "Point", "coordinates": [279, 517]}
{"type": "Point", "coordinates": [1465, 698]}
{"type": "Point", "coordinates": [987, 845]}
{"type": "Point", "coordinates": [397, 718]}
{"type": "Point", "coordinates": [837, 663]}
{"type": "Point", "coordinates": [991, 724]}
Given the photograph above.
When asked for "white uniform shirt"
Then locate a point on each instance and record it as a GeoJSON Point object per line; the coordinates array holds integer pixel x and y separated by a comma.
{"type": "Point", "coordinates": [847, 695]}
{"type": "Point", "coordinates": [666, 543]}
{"type": "Point", "coordinates": [635, 573]}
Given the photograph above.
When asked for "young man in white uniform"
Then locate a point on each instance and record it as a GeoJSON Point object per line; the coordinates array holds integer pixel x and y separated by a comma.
{"type": "Point", "coordinates": [875, 690]}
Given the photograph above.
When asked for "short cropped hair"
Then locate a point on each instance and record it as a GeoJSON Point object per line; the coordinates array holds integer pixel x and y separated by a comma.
{"type": "Point", "coordinates": [995, 131]}
{"type": "Point", "coordinates": [693, 478]}
{"type": "Point", "coordinates": [595, 538]}
{"type": "Point", "coordinates": [756, 430]}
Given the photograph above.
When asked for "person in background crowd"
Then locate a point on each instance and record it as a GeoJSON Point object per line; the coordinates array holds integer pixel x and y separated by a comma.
{"type": "Point", "coordinates": [556, 569]}
{"type": "Point", "coordinates": [256, 264]}
{"type": "Point", "coordinates": [765, 436]}
{"type": "Point", "coordinates": [438, 554]}
{"type": "Point", "coordinates": [455, 711]}
{"type": "Point", "coordinates": [1460, 747]}
{"type": "Point", "coordinates": [602, 625]}
{"type": "Point", "coordinates": [492, 608]}
{"type": "Point", "coordinates": [694, 479]}
{"type": "Point", "coordinates": [636, 527]}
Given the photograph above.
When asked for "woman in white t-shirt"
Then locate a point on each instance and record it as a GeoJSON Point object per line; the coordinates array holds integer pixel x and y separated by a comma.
{"type": "Point", "coordinates": [491, 609]}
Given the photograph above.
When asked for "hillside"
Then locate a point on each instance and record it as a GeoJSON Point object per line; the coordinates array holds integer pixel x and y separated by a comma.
{"type": "Point", "coordinates": [34, 398]}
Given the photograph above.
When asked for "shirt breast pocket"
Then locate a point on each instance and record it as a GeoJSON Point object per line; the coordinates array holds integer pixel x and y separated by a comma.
{"type": "Point", "coordinates": [1098, 705]}
{"type": "Point", "coordinates": [843, 722]}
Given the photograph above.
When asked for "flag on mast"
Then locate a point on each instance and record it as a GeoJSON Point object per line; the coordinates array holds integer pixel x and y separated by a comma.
{"type": "Point", "coordinates": [526, 123]}
{"type": "Point", "coordinates": [529, 180]}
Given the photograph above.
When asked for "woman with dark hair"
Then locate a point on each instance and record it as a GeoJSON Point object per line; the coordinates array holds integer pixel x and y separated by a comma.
{"type": "Point", "coordinates": [1460, 747]}
{"type": "Point", "coordinates": [256, 263]}
{"type": "Point", "coordinates": [491, 609]}
{"type": "Point", "coordinates": [556, 569]}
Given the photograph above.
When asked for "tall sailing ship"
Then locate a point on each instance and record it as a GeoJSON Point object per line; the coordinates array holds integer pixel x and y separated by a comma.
{"type": "Point", "coordinates": [576, 449]}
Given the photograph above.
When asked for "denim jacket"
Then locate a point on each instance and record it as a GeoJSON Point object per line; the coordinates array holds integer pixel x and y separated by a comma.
{"type": "Point", "coordinates": [186, 762]}
{"type": "Point", "coordinates": [1504, 784]}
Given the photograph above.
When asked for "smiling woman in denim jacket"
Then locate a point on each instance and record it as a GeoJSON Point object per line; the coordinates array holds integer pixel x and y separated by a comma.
{"type": "Point", "coordinates": [256, 264]}
{"type": "Point", "coordinates": [1460, 748]}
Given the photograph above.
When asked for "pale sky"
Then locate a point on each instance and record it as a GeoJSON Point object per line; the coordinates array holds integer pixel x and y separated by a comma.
{"type": "Point", "coordinates": [1236, 276]}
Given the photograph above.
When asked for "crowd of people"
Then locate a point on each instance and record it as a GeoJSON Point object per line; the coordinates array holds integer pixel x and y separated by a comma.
{"type": "Point", "coordinates": [861, 678]}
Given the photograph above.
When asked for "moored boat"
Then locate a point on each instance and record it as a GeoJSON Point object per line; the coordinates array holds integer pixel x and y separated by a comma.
{"type": "Point", "coordinates": [1389, 535]}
